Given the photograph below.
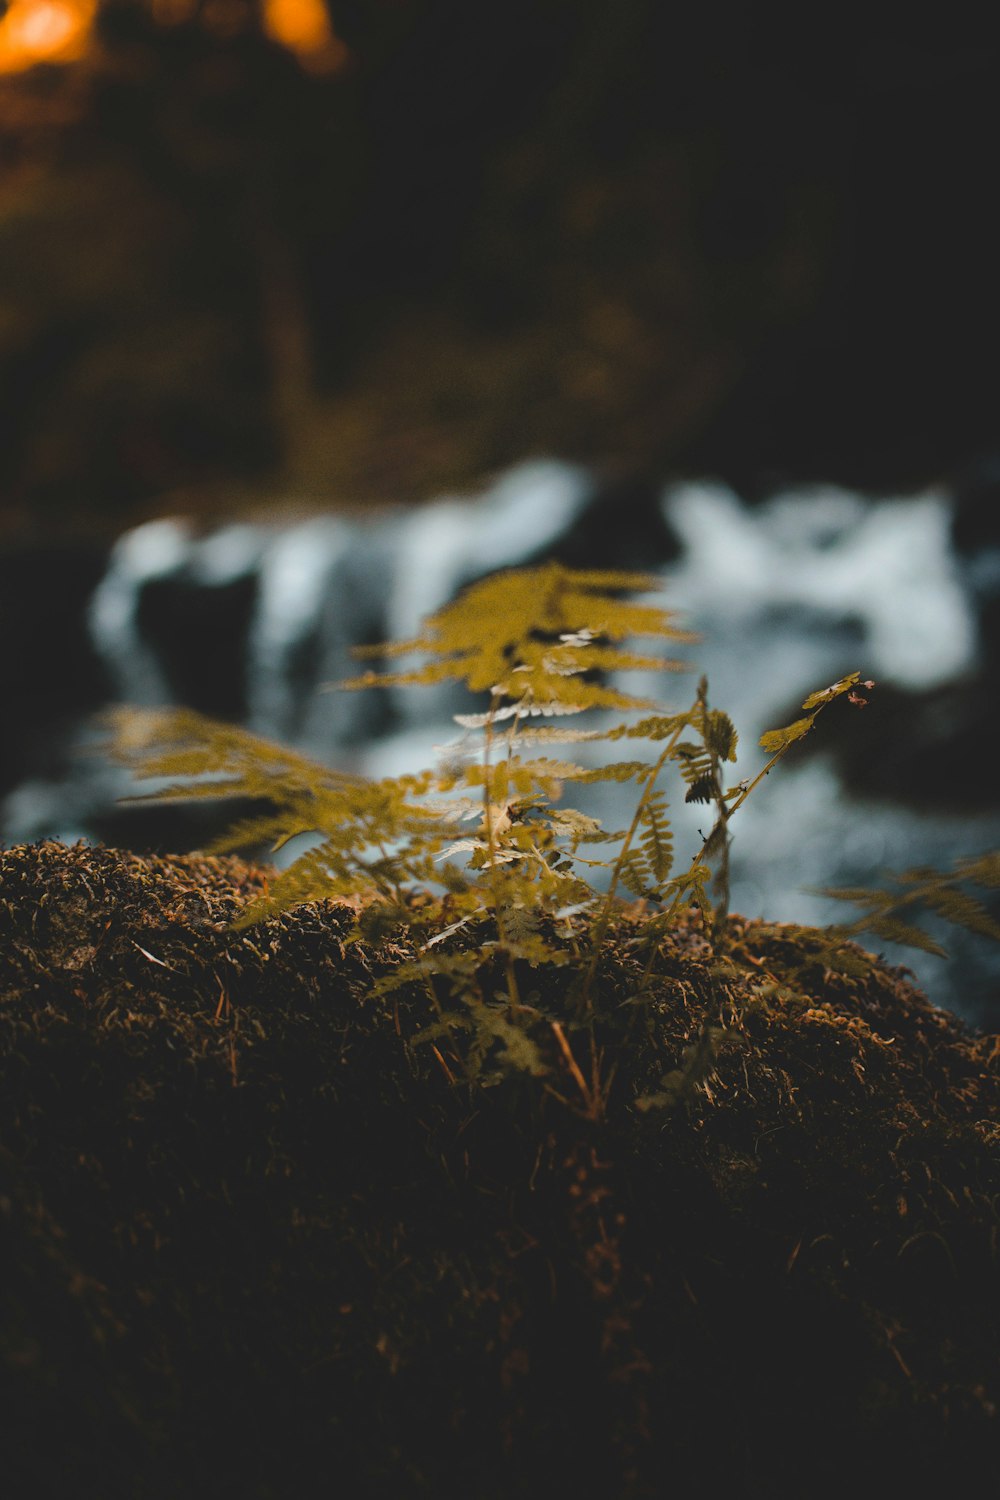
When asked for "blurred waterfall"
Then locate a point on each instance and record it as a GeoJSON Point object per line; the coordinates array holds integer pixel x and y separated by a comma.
{"type": "Point", "coordinates": [254, 621]}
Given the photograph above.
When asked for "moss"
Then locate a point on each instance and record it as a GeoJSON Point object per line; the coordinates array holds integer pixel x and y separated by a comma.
{"type": "Point", "coordinates": [262, 1244]}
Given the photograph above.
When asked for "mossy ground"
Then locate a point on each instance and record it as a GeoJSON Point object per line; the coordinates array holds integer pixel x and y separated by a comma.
{"type": "Point", "coordinates": [260, 1244]}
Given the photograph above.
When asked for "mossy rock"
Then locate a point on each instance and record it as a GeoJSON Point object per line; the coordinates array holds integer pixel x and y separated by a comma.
{"type": "Point", "coordinates": [263, 1243]}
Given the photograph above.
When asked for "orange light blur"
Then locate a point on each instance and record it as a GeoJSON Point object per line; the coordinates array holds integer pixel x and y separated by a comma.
{"type": "Point", "coordinates": [44, 31]}
{"type": "Point", "coordinates": [303, 26]}
{"type": "Point", "coordinates": [58, 31]}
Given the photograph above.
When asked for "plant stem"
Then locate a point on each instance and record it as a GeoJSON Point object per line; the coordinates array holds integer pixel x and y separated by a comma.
{"type": "Point", "coordinates": [604, 916]}
{"type": "Point", "coordinates": [513, 991]}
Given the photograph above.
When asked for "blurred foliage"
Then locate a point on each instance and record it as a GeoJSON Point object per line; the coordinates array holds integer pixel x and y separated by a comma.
{"type": "Point", "coordinates": [436, 238]}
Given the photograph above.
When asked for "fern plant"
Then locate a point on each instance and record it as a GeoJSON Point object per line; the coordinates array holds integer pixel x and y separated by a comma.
{"type": "Point", "coordinates": [515, 874]}
{"type": "Point", "coordinates": [888, 913]}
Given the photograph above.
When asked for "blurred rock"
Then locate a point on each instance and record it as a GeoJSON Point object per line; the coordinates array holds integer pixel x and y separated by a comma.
{"type": "Point", "coordinates": [50, 673]}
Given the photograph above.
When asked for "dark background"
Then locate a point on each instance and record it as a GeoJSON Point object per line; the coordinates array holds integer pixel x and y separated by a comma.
{"type": "Point", "coordinates": [751, 240]}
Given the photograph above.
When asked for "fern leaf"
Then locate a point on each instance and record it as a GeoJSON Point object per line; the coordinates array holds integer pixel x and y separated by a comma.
{"type": "Point", "coordinates": [542, 773]}
{"type": "Point", "coordinates": [578, 827]}
{"type": "Point", "coordinates": [618, 770]}
{"type": "Point", "coordinates": [635, 874]}
{"type": "Point", "coordinates": [720, 735]}
{"type": "Point", "coordinates": [656, 841]}
{"type": "Point", "coordinates": [655, 727]}
{"type": "Point", "coordinates": [982, 869]}
{"type": "Point", "coordinates": [697, 768]}
{"type": "Point", "coordinates": [270, 832]}
{"type": "Point", "coordinates": [613, 659]}
{"type": "Point", "coordinates": [857, 895]}
{"type": "Point", "coordinates": [458, 970]}
{"type": "Point", "coordinates": [778, 739]}
{"type": "Point", "coordinates": [827, 695]}
{"type": "Point", "coordinates": [457, 809]}
{"type": "Point", "coordinates": [690, 885]}
{"type": "Point", "coordinates": [491, 716]}
{"type": "Point", "coordinates": [963, 911]}
{"type": "Point", "coordinates": [517, 1052]}
{"type": "Point", "coordinates": [705, 789]}
{"type": "Point", "coordinates": [892, 930]}
{"type": "Point", "coordinates": [316, 876]}
{"type": "Point", "coordinates": [548, 736]}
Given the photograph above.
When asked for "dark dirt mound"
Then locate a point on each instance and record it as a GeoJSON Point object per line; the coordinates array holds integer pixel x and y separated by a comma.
{"type": "Point", "coordinates": [261, 1244]}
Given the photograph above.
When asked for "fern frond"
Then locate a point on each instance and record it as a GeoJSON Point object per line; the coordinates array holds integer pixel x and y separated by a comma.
{"type": "Point", "coordinates": [180, 744]}
{"type": "Point", "coordinates": [690, 886]}
{"type": "Point", "coordinates": [654, 727]}
{"type": "Point", "coordinates": [618, 770]}
{"type": "Point", "coordinates": [856, 894]}
{"type": "Point", "coordinates": [542, 774]}
{"type": "Point", "coordinates": [545, 735]}
{"type": "Point", "coordinates": [270, 832]}
{"type": "Point", "coordinates": [777, 740]}
{"type": "Point", "coordinates": [704, 789]}
{"type": "Point", "coordinates": [697, 766]}
{"type": "Point", "coordinates": [719, 734]}
{"type": "Point", "coordinates": [531, 635]}
{"type": "Point", "coordinates": [892, 930]}
{"type": "Point", "coordinates": [780, 739]}
{"type": "Point", "coordinates": [459, 970]}
{"type": "Point", "coordinates": [480, 849]}
{"type": "Point", "coordinates": [579, 828]}
{"type": "Point", "coordinates": [837, 690]}
{"type": "Point", "coordinates": [981, 869]}
{"type": "Point", "coordinates": [494, 1038]}
{"type": "Point", "coordinates": [516, 1051]}
{"type": "Point", "coordinates": [962, 910]}
{"type": "Point", "coordinates": [924, 888]}
{"type": "Point", "coordinates": [526, 708]}
{"type": "Point", "coordinates": [319, 874]}
{"type": "Point", "coordinates": [635, 874]}
{"type": "Point", "coordinates": [656, 841]}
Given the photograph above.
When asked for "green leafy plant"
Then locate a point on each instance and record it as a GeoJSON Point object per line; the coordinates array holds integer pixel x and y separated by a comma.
{"type": "Point", "coordinates": [480, 861]}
